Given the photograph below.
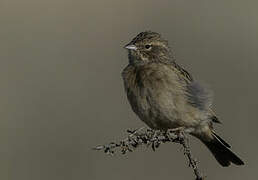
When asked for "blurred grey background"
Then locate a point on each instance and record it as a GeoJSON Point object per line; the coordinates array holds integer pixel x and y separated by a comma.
{"type": "Point", "coordinates": [62, 93]}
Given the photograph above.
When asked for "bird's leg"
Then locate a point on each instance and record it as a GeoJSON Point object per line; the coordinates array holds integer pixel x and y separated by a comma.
{"type": "Point", "coordinates": [177, 130]}
{"type": "Point", "coordinates": [174, 134]}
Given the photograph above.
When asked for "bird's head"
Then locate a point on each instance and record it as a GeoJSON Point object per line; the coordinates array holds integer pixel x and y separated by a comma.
{"type": "Point", "coordinates": [147, 47]}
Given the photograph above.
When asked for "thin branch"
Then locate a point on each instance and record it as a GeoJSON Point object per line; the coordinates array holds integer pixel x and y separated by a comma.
{"type": "Point", "coordinates": [191, 159]}
{"type": "Point", "coordinates": [153, 138]}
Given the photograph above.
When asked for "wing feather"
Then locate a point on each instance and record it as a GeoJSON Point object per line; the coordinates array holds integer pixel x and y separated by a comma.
{"type": "Point", "coordinates": [198, 96]}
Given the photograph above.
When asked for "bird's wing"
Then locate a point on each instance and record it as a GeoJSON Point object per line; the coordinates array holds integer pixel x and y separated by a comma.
{"type": "Point", "coordinates": [182, 72]}
{"type": "Point", "coordinates": [198, 96]}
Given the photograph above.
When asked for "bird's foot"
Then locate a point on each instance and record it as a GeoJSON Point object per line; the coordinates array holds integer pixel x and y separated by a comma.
{"type": "Point", "coordinates": [177, 130]}
{"type": "Point", "coordinates": [175, 134]}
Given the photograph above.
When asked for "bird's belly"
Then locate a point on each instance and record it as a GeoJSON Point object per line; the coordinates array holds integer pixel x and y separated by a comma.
{"type": "Point", "coordinates": [157, 115]}
{"type": "Point", "coordinates": [163, 111]}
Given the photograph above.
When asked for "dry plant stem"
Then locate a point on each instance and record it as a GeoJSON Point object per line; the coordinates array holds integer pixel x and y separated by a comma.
{"type": "Point", "coordinates": [187, 152]}
{"type": "Point", "coordinates": [154, 138]}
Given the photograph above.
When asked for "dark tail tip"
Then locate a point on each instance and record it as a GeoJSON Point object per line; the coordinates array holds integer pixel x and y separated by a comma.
{"type": "Point", "coordinates": [222, 153]}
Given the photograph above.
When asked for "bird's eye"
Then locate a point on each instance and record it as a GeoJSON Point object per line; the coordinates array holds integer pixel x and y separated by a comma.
{"type": "Point", "coordinates": [147, 46]}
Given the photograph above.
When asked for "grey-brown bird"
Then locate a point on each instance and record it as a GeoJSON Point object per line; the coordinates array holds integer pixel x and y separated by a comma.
{"type": "Point", "coordinates": [165, 96]}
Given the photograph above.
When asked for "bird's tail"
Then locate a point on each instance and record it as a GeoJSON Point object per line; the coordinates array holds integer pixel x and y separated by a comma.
{"type": "Point", "coordinates": [220, 149]}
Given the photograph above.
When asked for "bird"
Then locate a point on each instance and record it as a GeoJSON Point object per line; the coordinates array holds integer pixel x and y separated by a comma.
{"type": "Point", "coordinates": [165, 96]}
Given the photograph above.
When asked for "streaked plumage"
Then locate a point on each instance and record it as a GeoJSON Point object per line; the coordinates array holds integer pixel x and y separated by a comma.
{"type": "Point", "coordinates": [165, 96]}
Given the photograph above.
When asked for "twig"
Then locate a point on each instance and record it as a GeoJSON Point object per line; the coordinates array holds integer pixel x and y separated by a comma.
{"type": "Point", "coordinates": [154, 138]}
{"type": "Point", "coordinates": [192, 161]}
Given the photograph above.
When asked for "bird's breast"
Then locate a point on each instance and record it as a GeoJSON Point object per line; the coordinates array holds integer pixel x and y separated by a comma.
{"type": "Point", "coordinates": [154, 95]}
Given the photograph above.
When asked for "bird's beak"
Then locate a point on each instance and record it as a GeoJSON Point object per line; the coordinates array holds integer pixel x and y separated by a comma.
{"type": "Point", "coordinates": [130, 47]}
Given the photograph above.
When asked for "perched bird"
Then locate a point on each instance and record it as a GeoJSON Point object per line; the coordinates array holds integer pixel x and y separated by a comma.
{"type": "Point", "coordinates": [165, 96]}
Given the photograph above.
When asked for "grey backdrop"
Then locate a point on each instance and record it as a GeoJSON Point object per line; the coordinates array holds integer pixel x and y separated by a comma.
{"type": "Point", "coordinates": [62, 93]}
